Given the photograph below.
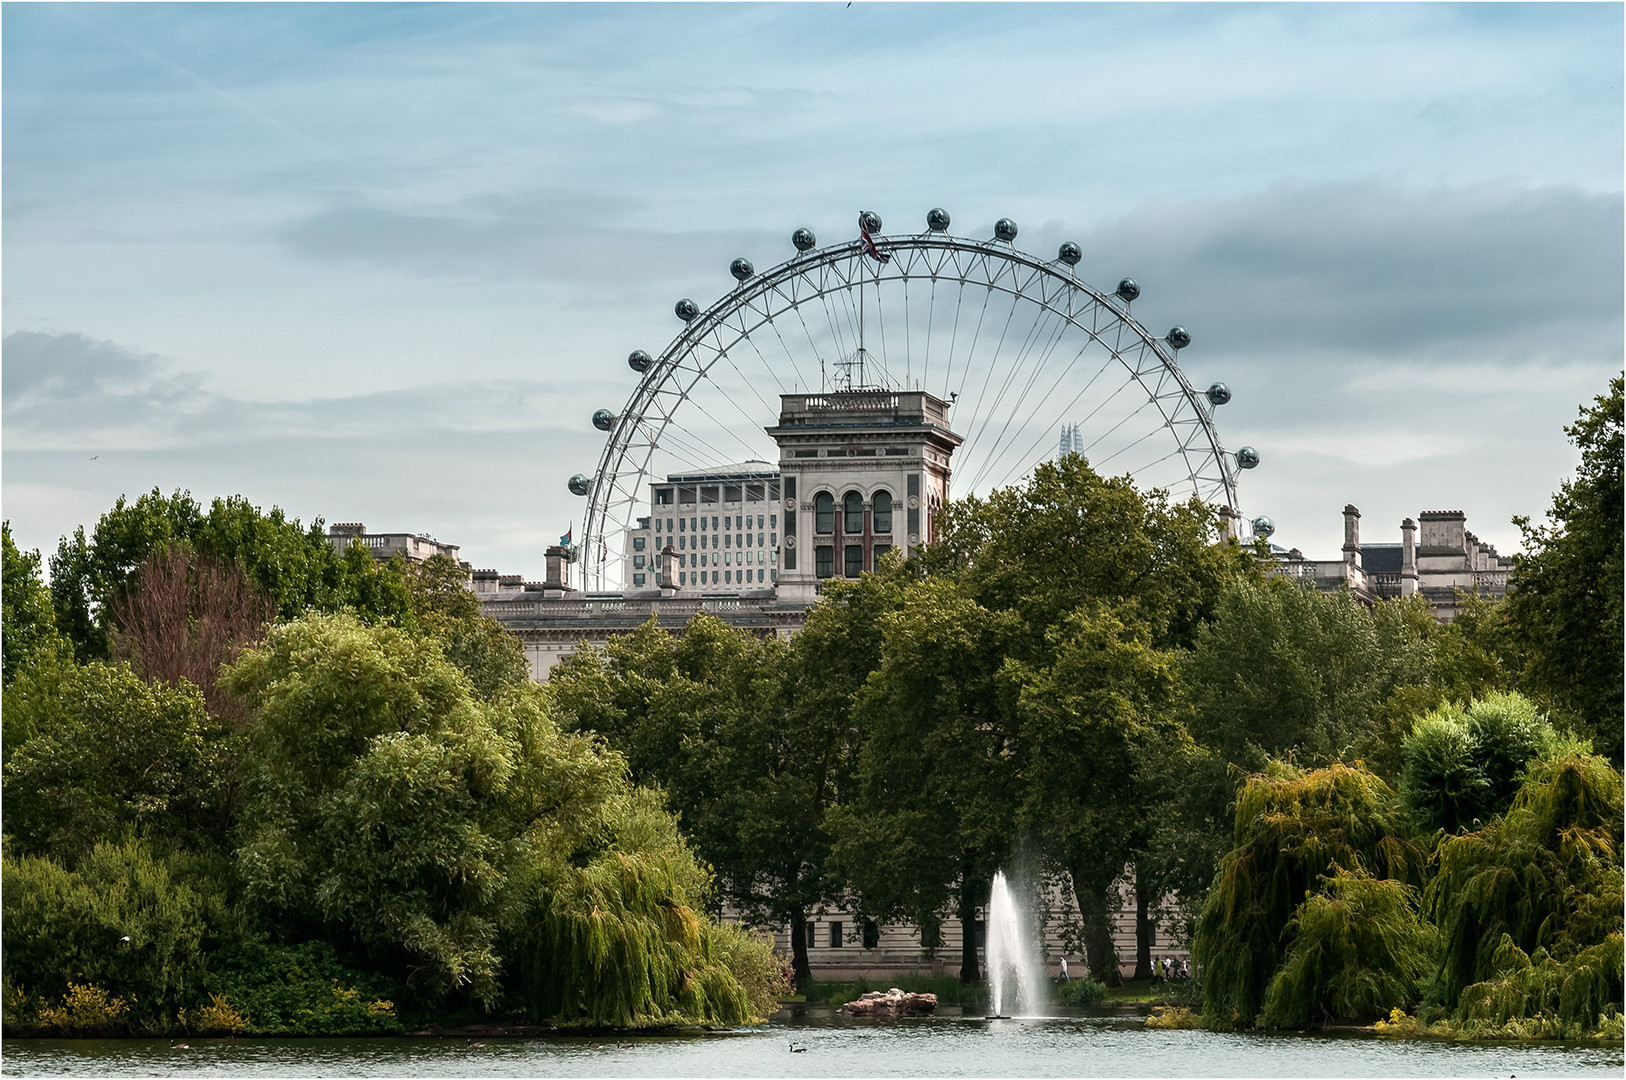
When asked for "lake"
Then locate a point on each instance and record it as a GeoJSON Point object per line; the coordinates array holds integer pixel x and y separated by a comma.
{"type": "Point", "coordinates": [947, 1044]}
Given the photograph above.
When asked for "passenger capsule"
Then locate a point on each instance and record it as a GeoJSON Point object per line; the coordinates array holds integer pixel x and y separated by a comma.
{"type": "Point", "coordinates": [1128, 290]}
{"type": "Point", "coordinates": [1005, 229]}
{"type": "Point", "coordinates": [937, 219]}
{"type": "Point", "coordinates": [741, 269]}
{"type": "Point", "coordinates": [685, 309]}
{"type": "Point", "coordinates": [1247, 457]}
{"type": "Point", "coordinates": [869, 221]}
{"type": "Point", "coordinates": [804, 239]}
{"type": "Point", "coordinates": [1263, 526]}
{"type": "Point", "coordinates": [1179, 337]}
{"type": "Point", "coordinates": [604, 419]}
{"type": "Point", "coordinates": [639, 361]}
{"type": "Point", "coordinates": [579, 485]}
{"type": "Point", "coordinates": [1070, 253]}
{"type": "Point", "coordinates": [1219, 394]}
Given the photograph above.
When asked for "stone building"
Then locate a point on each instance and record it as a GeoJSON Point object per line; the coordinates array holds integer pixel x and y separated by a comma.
{"type": "Point", "coordinates": [414, 547]}
{"type": "Point", "coordinates": [1436, 556]}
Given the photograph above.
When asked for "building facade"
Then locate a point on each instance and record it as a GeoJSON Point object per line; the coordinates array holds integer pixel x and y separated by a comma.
{"type": "Point", "coordinates": [414, 547]}
{"type": "Point", "coordinates": [1436, 557]}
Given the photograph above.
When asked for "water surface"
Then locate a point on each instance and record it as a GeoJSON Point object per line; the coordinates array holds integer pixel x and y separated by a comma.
{"type": "Point", "coordinates": [949, 1044]}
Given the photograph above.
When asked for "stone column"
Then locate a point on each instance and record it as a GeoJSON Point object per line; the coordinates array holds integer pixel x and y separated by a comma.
{"type": "Point", "coordinates": [558, 580]}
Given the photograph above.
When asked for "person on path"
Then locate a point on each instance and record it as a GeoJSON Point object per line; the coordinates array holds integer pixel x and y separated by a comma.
{"type": "Point", "coordinates": [1064, 969]}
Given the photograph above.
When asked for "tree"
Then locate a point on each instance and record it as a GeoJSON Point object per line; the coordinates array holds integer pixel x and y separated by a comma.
{"type": "Point", "coordinates": [28, 632]}
{"type": "Point", "coordinates": [186, 616]}
{"type": "Point", "coordinates": [1094, 725]}
{"type": "Point", "coordinates": [1294, 831]}
{"type": "Point", "coordinates": [1565, 594]}
{"type": "Point", "coordinates": [453, 838]}
{"type": "Point", "coordinates": [95, 751]}
{"type": "Point", "coordinates": [703, 715]}
{"type": "Point", "coordinates": [1463, 764]}
{"type": "Point", "coordinates": [298, 567]}
{"type": "Point", "coordinates": [442, 604]}
{"type": "Point", "coordinates": [935, 812]}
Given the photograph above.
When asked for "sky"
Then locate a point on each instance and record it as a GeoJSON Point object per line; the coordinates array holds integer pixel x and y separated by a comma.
{"type": "Point", "coordinates": [380, 263]}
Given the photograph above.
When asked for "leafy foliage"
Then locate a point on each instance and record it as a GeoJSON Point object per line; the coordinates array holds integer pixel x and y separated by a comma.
{"type": "Point", "coordinates": [1464, 764]}
{"type": "Point", "coordinates": [127, 921]}
{"type": "Point", "coordinates": [98, 751]}
{"type": "Point", "coordinates": [296, 566]}
{"type": "Point", "coordinates": [1358, 950]}
{"type": "Point", "coordinates": [27, 621]}
{"type": "Point", "coordinates": [1565, 596]}
{"type": "Point", "coordinates": [1547, 876]}
{"type": "Point", "coordinates": [1293, 829]}
{"type": "Point", "coordinates": [299, 989]}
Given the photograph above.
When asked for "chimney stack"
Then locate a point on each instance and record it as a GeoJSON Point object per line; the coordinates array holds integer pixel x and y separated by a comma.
{"type": "Point", "coordinates": [666, 578]}
{"type": "Point", "coordinates": [1352, 535]}
{"type": "Point", "coordinates": [558, 581]}
{"type": "Point", "coordinates": [1408, 557]}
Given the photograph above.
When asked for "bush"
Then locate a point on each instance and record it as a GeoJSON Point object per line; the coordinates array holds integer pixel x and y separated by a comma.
{"type": "Point", "coordinates": [139, 926]}
{"type": "Point", "coordinates": [1465, 764]}
{"type": "Point", "coordinates": [754, 965]}
{"type": "Point", "coordinates": [296, 990]}
{"type": "Point", "coordinates": [1082, 990]}
{"type": "Point", "coordinates": [85, 1010]}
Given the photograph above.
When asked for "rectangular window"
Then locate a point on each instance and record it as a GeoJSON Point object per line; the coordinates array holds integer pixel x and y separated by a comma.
{"type": "Point", "coordinates": [728, 577]}
{"type": "Point", "coordinates": [914, 521]}
{"type": "Point", "coordinates": [747, 539]}
{"type": "Point", "coordinates": [663, 496]}
{"type": "Point", "coordinates": [728, 558]}
{"type": "Point", "coordinates": [914, 483]}
{"type": "Point", "coordinates": [680, 524]}
{"type": "Point", "coordinates": [753, 492]}
{"type": "Point", "coordinates": [790, 561]}
{"type": "Point", "coordinates": [728, 539]}
{"type": "Point", "coordinates": [880, 550]}
{"type": "Point", "coordinates": [854, 560]}
{"type": "Point", "coordinates": [731, 493]}
{"type": "Point", "coordinates": [714, 524]}
{"type": "Point", "coordinates": [686, 495]}
{"type": "Point", "coordinates": [714, 577]}
{"type": "Point", "coordinates": [738, 540]}
{"type": "Point", "coordinates": [790, 487]}
{"type": "Point", "coordinates": [637, 562]}
{"type": "Point", "coordinates": [703, 539]}
{"type": "Point", "coordinates": [773, 575]}
{"type": "Point", "coordinates": [708, 494]}
{"type": "Point", "coordinates": [835, 935]}
{"type": "Point", "coordinates": [683, 577]}
{"type": "Point", "coordinates": [896, 451]}
{"type": "Point", "coordinates": [824, 562]}
{"type": "Point", "coordinates": [759, 523]}
{"type": "Point", "coordinates": [637, 579]}
{"type": "Point", "coordinates": [726, 524]}
{"type": "Point", "coordinates": [637, 543]}
{"type": "Point", "coordinates": [773, 539]}
{"type": "Point", "coordinates": [658, 524]}
{"type": "Point", "coordinates": [773, 521]}
{"type": "Point", "coordinates": [804, 453]}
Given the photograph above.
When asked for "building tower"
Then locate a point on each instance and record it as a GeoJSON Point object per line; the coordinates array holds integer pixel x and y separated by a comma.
{"type": "Point", "coordinates": [861, 472]}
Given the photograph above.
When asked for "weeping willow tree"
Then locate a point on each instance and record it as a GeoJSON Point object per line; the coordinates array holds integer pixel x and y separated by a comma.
{"type": "Point", "coordinates": [616, 944]}
{"type": "Point", "coordinates": [1529, 907]}
{"type": "Point", "coordinates": [1293, 829]}
{"type": "Point", "coordinates": [1358, 950]}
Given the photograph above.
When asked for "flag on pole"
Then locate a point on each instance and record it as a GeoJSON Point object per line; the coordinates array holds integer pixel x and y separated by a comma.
{"type": "Point", "coordinates": [564, 541]}
{"type": "Point", "coordinates": [869, 246]}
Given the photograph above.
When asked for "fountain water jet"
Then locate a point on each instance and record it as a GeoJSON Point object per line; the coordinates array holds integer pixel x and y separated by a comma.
{"type": "Point", "coordinates": [1015, 979]}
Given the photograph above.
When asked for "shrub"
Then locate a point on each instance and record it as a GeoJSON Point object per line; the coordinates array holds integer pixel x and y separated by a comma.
{"type": "Point", "coordinates": [85, 1010]}
{"type": "Point", "coordinates": [125, 920]}
{"type": "Point", "coordinates": [299, 990]}
{"type": "Point", "coordinates": [1465, 764]}
{"type": "Point", "coordinates": [1082, 990]}
{"type": "Point", "coordinates": [216, 1018]}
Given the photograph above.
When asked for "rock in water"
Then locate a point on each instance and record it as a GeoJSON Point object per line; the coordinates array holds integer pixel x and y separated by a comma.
{"type": "Point", "coordinates": [893, 1002]}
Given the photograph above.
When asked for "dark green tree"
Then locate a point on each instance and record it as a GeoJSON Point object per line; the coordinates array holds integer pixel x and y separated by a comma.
{"type": "Point", "coordinates": [1565, 594]}
{"type": "Point", "coordinates": [938, 791]}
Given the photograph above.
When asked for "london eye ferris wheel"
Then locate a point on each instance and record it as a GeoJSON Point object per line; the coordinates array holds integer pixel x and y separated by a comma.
{"type": "Point", "coordinates": [1022, 347]}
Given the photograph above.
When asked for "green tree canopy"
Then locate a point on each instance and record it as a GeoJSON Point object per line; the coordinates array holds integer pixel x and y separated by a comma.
{"type": "Point", "coordinates": [1565, 595]}
{"type": "Point", "coordinates": [94, 751]}
{"type": "Point", "coordinates": [453, 838]}
{"type": "Point", "coordinates": [296, 566]}
{"type": "Point", "coordinates": [27, 621]}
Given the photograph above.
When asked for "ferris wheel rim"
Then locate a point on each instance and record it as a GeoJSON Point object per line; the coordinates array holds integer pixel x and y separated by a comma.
{"type": "Point", "coordinates": [604, 496]}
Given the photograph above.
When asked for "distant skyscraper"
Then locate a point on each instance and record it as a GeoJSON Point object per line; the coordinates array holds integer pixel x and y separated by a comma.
{"type": "Point", "coordinates": [1072, 441]}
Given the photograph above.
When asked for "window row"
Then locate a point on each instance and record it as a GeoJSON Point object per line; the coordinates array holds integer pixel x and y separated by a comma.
{"type": "Point", "coordinates": [710, 540]}
{"type": "Point", "coordinates": [729, 523]}
{"type": "Point", "coordinates": [852, 512]}
{"type": "Point", "coordinates": [852, 560]}
{"type": "Point", "coordinates": [710, 493]}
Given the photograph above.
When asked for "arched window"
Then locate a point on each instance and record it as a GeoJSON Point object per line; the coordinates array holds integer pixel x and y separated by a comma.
{"type": "Point", "coordinates": [852, 512]}
{"type": "Point", "coordinates": [883, 511]}
{"type": "Point", "coordinates": [824, 512]}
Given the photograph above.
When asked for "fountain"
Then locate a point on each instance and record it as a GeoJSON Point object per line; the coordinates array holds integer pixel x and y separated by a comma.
{"type": "Point", "coordinates": [1015, 980]}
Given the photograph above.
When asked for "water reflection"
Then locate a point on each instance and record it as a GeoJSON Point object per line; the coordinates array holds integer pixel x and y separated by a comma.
{"type": "Point", "coordinates": [948, 1044]}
